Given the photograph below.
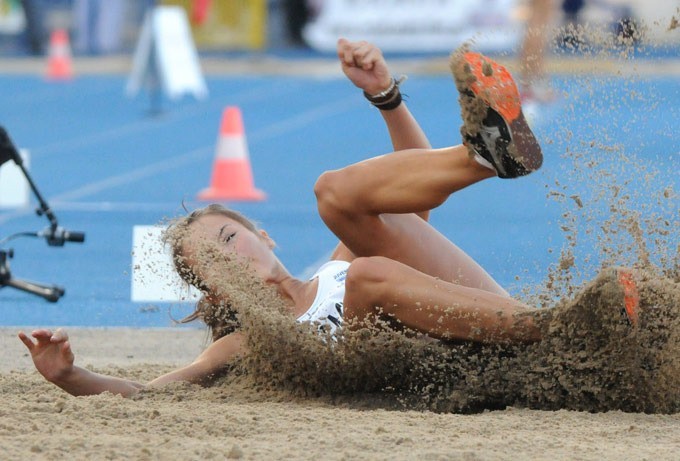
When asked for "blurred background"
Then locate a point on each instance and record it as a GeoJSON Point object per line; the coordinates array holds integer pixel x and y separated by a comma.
{"type": "Point", "coordinates": [112, 26]}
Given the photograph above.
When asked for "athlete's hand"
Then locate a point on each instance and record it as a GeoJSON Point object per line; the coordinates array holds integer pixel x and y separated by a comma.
{"type": "Point", "coordinates": [51, 353]}
{"type": "Point", "coordinates": [365, 66]}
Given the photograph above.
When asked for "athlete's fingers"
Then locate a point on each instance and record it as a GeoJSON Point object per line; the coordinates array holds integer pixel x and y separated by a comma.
{"type": "Point", "coordinates": [42, 335]}
{"type": "Point", "coordinates": [28, 342]}
{"type": "Point", "coordinates": [65, 349]}
{"type": "Point", "coordinates": [348, 58]}
{"type": "Point", "coordinates": [345, 52]}
{"type": "Point", "coordinates": [369, 59]}
{"type": "Point", "coordinates": [341, 48]}
{"type": "Point", "coordinates": [342, 45]}
{"type": "Point", "coordinates": [59, 335]}
{"type": "Point", "coordinates": [41, 332]}
{"type": "Point", "coordinates": [363, 55]}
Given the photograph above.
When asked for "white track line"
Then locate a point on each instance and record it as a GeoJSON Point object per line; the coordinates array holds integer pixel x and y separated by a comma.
{"type": "Point", "coordinates": [152, 122]}
{"type": "Point", "coordinates": [134, 175]}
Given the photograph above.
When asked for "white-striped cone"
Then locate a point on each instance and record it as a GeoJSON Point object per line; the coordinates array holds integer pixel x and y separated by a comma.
{"type": "Point", "coordinates": [232, 176]}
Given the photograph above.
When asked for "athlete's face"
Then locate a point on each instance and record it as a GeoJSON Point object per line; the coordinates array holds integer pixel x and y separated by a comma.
{"type": "Point", "coordinates": [231, 239]}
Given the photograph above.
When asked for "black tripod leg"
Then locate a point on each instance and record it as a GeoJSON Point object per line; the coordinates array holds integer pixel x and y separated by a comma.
{"type": "Point", "coordinates": [51, 293]}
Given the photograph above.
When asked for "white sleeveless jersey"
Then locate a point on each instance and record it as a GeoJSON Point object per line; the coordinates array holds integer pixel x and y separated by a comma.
{"type": "Point", "coordinates": [327, 309]}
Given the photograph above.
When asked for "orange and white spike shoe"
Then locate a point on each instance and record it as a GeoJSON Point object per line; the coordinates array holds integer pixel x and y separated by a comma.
{"type": "Point", "coordinates": [494, 127]}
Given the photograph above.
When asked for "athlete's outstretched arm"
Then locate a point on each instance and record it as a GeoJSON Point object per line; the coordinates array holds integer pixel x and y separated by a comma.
{"type": "Point", "coordinates": [54, 359]}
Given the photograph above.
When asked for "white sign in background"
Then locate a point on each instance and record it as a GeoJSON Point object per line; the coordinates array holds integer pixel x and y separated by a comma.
{"type": "Point", "coordinates": [417, 25]}
{"type": "Point", "coordinates": [14, 188]}
{"type": "Point", "coordinates": [153, 276]}
{"type": "Point", "coordinates": [166, 51]}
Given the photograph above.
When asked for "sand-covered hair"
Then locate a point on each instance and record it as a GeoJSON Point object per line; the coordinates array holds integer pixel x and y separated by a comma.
{"type": "Point", "coordinates": [215, 311]}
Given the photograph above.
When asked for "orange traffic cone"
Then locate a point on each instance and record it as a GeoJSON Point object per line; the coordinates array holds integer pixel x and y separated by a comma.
{"type": "Point", "coordinates": [232, 177]}
{"type": "Point", "coordinates": [59, 65]}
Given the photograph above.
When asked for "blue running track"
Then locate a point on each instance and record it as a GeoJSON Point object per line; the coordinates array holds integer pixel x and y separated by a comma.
{"type": "Point", "coordinates": [105, 164]}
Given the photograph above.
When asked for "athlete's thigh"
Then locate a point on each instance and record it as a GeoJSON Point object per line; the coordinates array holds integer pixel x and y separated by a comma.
{"type": "Point", "coordinates": [413, 241]}
{"type": "Point", "coordinates": [439, 308]}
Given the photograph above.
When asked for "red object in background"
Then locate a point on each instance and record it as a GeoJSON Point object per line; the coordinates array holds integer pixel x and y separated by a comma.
{"type": "Point", "coordinates": [59, 65]}
{"type": "Point", "coordinates": [199, 11]}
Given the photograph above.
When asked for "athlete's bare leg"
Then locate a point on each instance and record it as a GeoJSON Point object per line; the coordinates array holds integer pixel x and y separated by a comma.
{"type": "Point", "coordinates": [378, 286]}
{"type": "Point", "coordinates": [371, 207]}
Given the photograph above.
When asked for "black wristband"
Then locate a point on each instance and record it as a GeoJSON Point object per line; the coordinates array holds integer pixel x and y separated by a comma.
{"type": "Point", "coordinates": [391, 104]}
{"type": "Point", "coordinates": [388, 99]}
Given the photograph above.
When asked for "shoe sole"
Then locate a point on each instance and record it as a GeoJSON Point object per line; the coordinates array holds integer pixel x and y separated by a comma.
{"type": "Point", "coordinates": [482, 84]}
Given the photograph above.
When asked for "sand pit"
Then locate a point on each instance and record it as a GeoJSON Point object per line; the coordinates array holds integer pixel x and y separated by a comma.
{"type": "Point", "coordinates": [595, 388]}
{"type": "Point", "coordinates": [467, 403]}
{"type": "Point", "coordinates": [39, 421]}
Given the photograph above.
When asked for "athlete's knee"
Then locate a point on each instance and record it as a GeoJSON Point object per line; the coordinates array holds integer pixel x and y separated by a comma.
{"type": "Point", "coordinates": [326, 190]}
{"type": "Point", "coordinates": [337, 194]}
{"type": "Point", "coordinates": [367, 279]}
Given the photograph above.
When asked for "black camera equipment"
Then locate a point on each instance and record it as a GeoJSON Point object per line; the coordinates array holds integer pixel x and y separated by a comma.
{"type": "Point", "coordinates": [54, 234]}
